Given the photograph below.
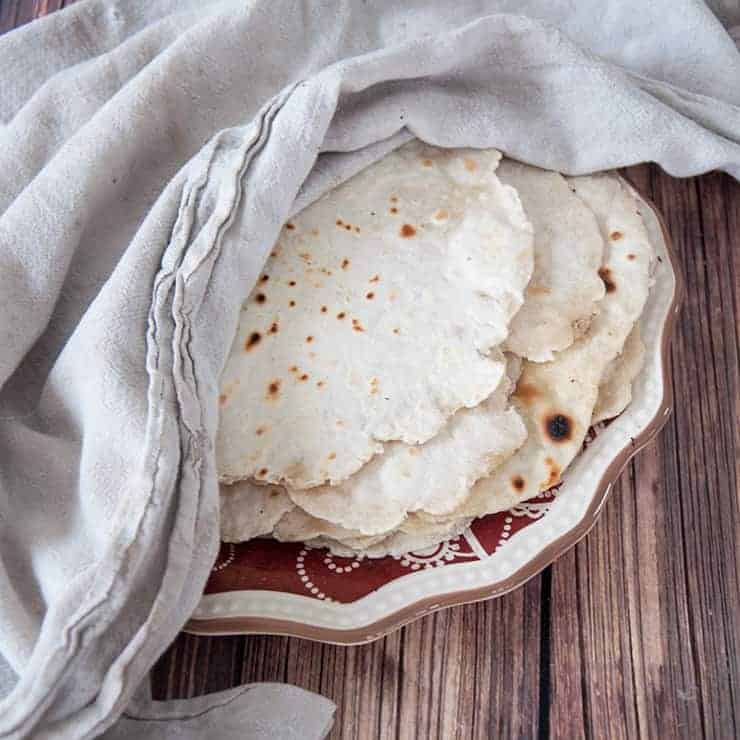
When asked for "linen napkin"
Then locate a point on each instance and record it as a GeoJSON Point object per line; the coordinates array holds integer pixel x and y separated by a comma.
{"type": "Point", "coordinates": [149, 152]}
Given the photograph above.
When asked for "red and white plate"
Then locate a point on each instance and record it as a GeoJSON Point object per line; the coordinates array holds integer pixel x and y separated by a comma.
{"type": "Point", "coordinates": [267, 587]}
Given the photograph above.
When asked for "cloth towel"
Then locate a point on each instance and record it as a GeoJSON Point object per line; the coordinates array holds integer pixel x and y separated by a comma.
{"type": "Point", "coordinates": [149, 152]}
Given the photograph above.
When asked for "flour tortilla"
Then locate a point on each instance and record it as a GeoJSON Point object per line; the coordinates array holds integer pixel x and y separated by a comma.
{"type": "Point", "coordinates": [399, 543]}
{"type": "Point", "coordinates": [615, 390]}
{"type": "Point", "coordinates": [298, 526]}
{"type": "Point", "coordinates": [374, 318]}
{"type": "Point", "coordinates": [435, 476]}
{"type": "Point", "coordinates": [557, 399]}
{"type": "Point", "coordinates": [563, 295]}
{"type": "Point", "coordinates": [249, 510]}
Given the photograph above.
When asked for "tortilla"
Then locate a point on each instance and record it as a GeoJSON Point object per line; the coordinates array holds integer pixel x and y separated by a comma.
{"type": "Point", "coordinates": [615, 390]}
{"type": "Point", "coordinates": [563, 295]}
{"type": "Point", "coordinates": [298, 526]}
{"type": "Point", "coordinates": [435, 476]}
{"type": "Point", "coordinates": [374, 318]}
{"type": "Point", "coordinates": [397, 544]}
{"type": "Point", "coordinates": [248, 510]}
{"type": "Point", "coordinates": [556, 399]}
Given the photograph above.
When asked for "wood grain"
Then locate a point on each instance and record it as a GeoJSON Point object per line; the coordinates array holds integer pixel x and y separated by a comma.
{"type": "Point", "coordinates": [633, 633]}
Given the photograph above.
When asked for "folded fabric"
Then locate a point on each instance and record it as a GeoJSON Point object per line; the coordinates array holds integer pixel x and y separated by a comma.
{"type": "Point", "coordinates": [150, 151]}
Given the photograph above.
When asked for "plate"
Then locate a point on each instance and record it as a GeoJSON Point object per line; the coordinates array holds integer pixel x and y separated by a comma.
{"type": "Point", "coordinates": [267, 587]}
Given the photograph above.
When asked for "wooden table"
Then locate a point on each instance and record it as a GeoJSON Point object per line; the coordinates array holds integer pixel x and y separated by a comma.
{"type": "Point", "coordinates": [633, 633]}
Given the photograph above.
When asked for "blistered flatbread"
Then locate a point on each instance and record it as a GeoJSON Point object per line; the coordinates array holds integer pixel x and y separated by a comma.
{"type": "Point", "coordinates": [615, 390]}
{"type": "Point", "coordinates": [563, 294]}
{"type": "Point", "coordinates": [374, 319]}
{"type": "Point", "coordinates": [249, 510]}
{"type": "Point", "coordinates": [435, 476]}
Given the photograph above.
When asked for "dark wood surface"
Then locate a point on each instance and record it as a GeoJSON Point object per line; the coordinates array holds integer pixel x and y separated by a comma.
{"type": "Point", "coordinates": [635, 632]}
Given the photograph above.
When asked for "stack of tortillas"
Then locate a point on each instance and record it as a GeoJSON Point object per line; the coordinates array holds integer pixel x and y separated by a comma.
{"type": "Point", "coordinates": [429, 343]}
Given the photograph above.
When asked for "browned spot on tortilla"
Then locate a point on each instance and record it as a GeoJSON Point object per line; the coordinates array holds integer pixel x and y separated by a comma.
{"type": "Point", "coordinates": [259, 431]}
{"type": "Point", "coordinates": [222, 399]}
{"type": "Point", "coordinates": [293, 368]}
{"type": "Point", "coordinates": [262, 472]}
{"type": "Point", "coordinates": [396, 331]}
{"type": "Point", "coordinates": [274, 328]}
{"type": "Point", "coordinates": [442, 214]}
{"type": "Point", "coordinates": [345, 263]}
{"type": "Point", "coordinates": [264, 278]}
{"type": "Point", "coordinates": [558, 427]}
{"type": "Point", "coordinates": [291, 283]}
{"type": "Point", "coordinates": [326, 271]}
{"type": "Point", "coordinates": [273, 390]}
{"type": "Point", "coordinates": [339, 222]}
{"type": "Point", "coordinates": [321, 384]}
{"type": "Point", "coordinates": [309, 339]}
{"type": "Point", "coordinates": [290, 226]}
{"type": "Point", "coordinates": [537, 289]}
{"type": "Point", "coordinates": [304, 377]}
{"type": "Point", "coordinates": [252, 340]}
{"type": "Point", "coordinates": [374, 383]}
{"type": "Point", "coordinates": [332, 455]}
{"type": "Point", "coordinates": [260, 298]}
{"type": "Point", "coordinates": [426, 162]}
{"type": "Point", "coordinates": [553, 474]}
{"type": "Point", "coordinates": [324, 309]}
{"type": "Point", "coordinates": [631, 256]}
{"type": "Point", "coordinates": [413, 450]}
{"type": "Point", "coordinates": [393, 209]}
{"type": "Point", "coordinates": [370, 295]}
{"type": "Point", "coordinates": [470, 165]}
{"type": "Point", "coordinates": [292, 304]}
{"type": "Point", "coordinates": [314, 232]}
{"type": "Point", "coordinates": [274, 493]}
{"type": "Point", "coordinates": [526, 392]}
{"type": "Point", "coordinates": [375, 279]}
{"type": "Point", "coordinates": [606, 275]}
{"type": "Point", "coordinates": [357, 229]}
{"type": "Point", "coordinates": [518, 482]}
{"type": "Point", "coordinates": [305, 256]}
{"type": "Point", "coordinates": [341, 315]}
{"type": "Point", "coordinates": [357, 327]}
{"type": "Point", "coordinates": [615, 236]}
{"type": "Point", "coordinates": [348, 227]}
{"type": "Point", "coordinates": [393, 199]}
{"type": "Point", "coordinates": [407, 231]}
{"type": "Point", "coordinates": [275, 252]}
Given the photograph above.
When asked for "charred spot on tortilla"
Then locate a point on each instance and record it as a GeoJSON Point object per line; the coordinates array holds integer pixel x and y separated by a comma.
{"type": "Point", "coordinates": [262, 472]}
{"type": "Point", "coordinates": [518, 482]}
{"type": "Point", "coordinates": [252, 340]}
{"type": "Point", "coordinates": [606, 275]}
{"type": "Point", "coordinates": [260, 298]}
{"type": "Point", "coordinates": [370, 295]}
{"type": "Point", "coordinates": [393, 209]}
{"type": "Point", "coordinates": [259, 431]}
{"type": "Point", "coordinates": [345, 263]}
{"type": "Point", "coordinates": [309, 339]}
{"type": "Point", "coordinates": [290, 226]}
{"type": "Point", "coordinates": [558, 427]}
{"type": "Point", "coordinates": [303, 377]}
{"type": "Point", "coordinates": [341, 315]}
{"type": "Point", "coordinates": [264, 278]}
{"type": "Point", "coordinates": [375, 279]}
{"type": "Point", "coordinates": [324, 309]}
{"type": "Point", "coordinates": [615, 236]}
{"type": "Point", "coordinates": [292, 304]}
{"type": "Point", "coordinates": [631, 257]}
{"type": "Point", "coordinates": [274, 328]}
{"type": "Point", "coordinates": [407, 231]}
{"type": "Point", "coordinates": [273, 390]}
